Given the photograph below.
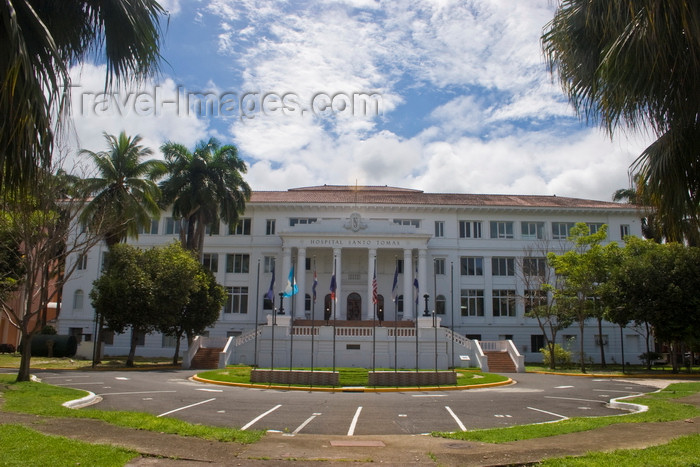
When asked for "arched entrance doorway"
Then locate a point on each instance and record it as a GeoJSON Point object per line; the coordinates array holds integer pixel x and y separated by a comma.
{"type": "Point", "coordinates": [354, 307]}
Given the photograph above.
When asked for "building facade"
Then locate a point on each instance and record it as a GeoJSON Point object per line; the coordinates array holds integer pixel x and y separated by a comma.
{"type": "Point", "coordinates": [471, 255]}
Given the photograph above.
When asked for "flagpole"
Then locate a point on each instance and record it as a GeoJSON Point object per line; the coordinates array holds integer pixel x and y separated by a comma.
{"type": "Point", "coordinates": [395, 298]}
{"type": "Point", "coordinates": [335, 307]}
{"type": "Point", "coordinates": [257, 310]}
{"type": "Point", "coordinates": [452, 310]}
{"type": "Point", "coordinates": [415, 314]}
{"type": "Point", "coordinates": [291, 316]}
{"type": "Point", "coordinates": [313, 321]}
{"type": "Point", "coordinates": [274, 324]}
{"type": "Point", "coordinates": [374, 317]}
{"type": "Point", "coordinates": [435, 310]}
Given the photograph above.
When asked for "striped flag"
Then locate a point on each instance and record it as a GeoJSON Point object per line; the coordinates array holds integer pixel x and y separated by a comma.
{"type": "Point", "coordinates": [375, 298]}
{"type": "Point", "coordinates": [313, 288]}
{"type": "Point", "coordinates": [394, 287]}
{"type": "Point", "coordinates": [334, 286]}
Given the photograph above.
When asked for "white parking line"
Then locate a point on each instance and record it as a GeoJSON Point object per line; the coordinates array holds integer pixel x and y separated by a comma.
{"type": "Point", "coordinates": [429, 395]}
{"type": "Point", "coordinates": [611, 390]}
{"type": "Point", "coordinates": [574, 399]}
{"type": "Point", "coordinates": [351, 431]}
{"type": "Point", "coordinates": [129, 393]}
{"type": "Point", "coordinates": [209, 390]}
{"type": "Point", "coordinates": [459, 422]}
{"type": "Point", "coordinates": [306, 422]}
{"type": "Point", "coordinates": [252, 422]}
{"type": "Point", "coordinates": [186, 407]}
{"type": "Point", "coordinates": [563, 417]}
{"type": "Point", "coordinates": [79, 384]}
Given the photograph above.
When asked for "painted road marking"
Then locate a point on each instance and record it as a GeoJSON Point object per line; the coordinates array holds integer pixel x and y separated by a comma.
{"type": "Point", "coordinates": [252, 422]}
{"type": "Point", "coordinates": [429, 395]}
{"type": "Point", "coordinates": [129, 393]}
{"type": "Point", "coordinates": [122, 378]}
{"type": "Point", "coordinates": [186, 407]}
{"type": "Point", "coordinates": [351, 431]}
{"type": "Point", "coordinates": [209, 390]}
{"type": "Point", "coordinates": [611, 390]}
{"type": "Point", "coordinates": [563, 417]}
{"type": "Point", "coordinates": [574, 399]}
{"type": "Point", "coordinates": [80, 384]}
{"type": "Point", "coordinates": [459, 422]}
{"type": "Point", "coordinates": [503, 416]}
{"type": "Point", "coordinates": [562, 387]}
{"type": "Point", "coordinates": [306, 422]}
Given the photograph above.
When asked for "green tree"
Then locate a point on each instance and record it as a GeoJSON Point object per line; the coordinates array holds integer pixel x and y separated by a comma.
{"type": "Point", "coordinates": [204, 186]}
{"type": "Point", "coordinates": [635, 64]}
{"type": "Point", "coordinates": [124, 196]}
{"type": "Point", "coordinates": [42, 40]}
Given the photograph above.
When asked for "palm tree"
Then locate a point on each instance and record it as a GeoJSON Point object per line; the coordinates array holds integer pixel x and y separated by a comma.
{"type": "Point", "coordinates": [42, 41]}
{"type": "Point", "coordinates": [204, 186]}
{"type": "Point", "coordinates": [635, 63]}
{"type": "Point", "coordinates": [125, 194]}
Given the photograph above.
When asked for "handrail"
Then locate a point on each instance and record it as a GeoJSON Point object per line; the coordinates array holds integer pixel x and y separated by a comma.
{"type": "Point", "coordinates": [191, 351]}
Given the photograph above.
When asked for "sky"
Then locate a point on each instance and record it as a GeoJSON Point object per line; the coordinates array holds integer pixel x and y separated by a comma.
{"type": "Point", "coordinates": [440, 96]}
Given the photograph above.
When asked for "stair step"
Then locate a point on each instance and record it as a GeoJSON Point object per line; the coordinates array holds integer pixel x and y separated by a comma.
{"type": "Point", "coordinates": [206, 358]}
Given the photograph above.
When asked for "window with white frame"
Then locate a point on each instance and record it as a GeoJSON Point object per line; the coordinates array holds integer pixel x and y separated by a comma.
{"type": "Point", "coordinates": [469, 229]}
{"type": "Point", "coordinates": [594, 227]}
{"type": "Point", "coordinates": [440, 305]}
{"type": "Point", "coordinates": [236, 300]}
{"type": "Point", "coordinates": [533, 299]}
{"type": "Point", "coordinates": [211, 261]}
{"type": "Point", "coordinates": [439, 264]}
{"type": "Point", "coordinates": [624, 231]}
{"type": "Point", "coordinates": [238, 263]}
{"type": "Point", "coordinates": [471, 266]}
{"type": "Point", "coordinates": [501, 229]}
{"type": "Point", "coordinates": [78, 299]}
{"type": "Point", "coordinates": [81, 263]}
{"type": "Point", "coordinates": [534, 267]}
{"type": "Point", "coordinates": [410, 222]}
{"type": "Point", "coordinates": [439, 229]}
{"type": "Point", "coordinates": [241, 227]}
{"type": "Point", "coordinates": [301, 221]}
{"type": "Point", "coordinates": [501, 266]}
{"type": "Point", "coordinates": [268, 264]}
{"type": "Point", "coordinates": [472, 302]}
{"type": "Point", "coordinates": [503, 303]}
{"type": "Point", "coordinates": [560, 230]}
{"type": "Point", "coordinates": [172, 226]}
{"type": "Point", "coordinates": [152, 229]}
{"type": "Point", "coordinates": [532, 230]}
{"type": "Point", "coordinates": [212, 228]}
{"type": "Point", "coordinates": [270, 227]}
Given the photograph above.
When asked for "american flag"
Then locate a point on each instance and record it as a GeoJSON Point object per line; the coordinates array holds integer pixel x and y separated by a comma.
{"type": "Point", "coordinates": [375, 299]}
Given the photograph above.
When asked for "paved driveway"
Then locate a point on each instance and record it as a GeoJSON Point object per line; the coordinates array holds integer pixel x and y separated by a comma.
{"type": "Point", "coordinates": [533, 398]}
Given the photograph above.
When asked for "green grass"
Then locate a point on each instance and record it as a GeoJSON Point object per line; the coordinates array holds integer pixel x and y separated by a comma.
{"type": "Point", "coordinates": [683, 451]}
{"type": "Point", "coordinates": [615, 369]}
{"type": "Point", "coordinates": [107, 363]}
{"type": "Point", "coordinates": [347, 377]}
{"type": "Point", "coordinates": [22, 446]}
{"type": "Point", "coordinates": [43, 399]}
{"type": "Point", "coordinates": [662, 408]}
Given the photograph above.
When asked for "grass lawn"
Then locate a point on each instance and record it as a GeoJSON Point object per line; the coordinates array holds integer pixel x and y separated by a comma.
{"type": "Point", "coordinates": [44, 399]}
{"type": "Point", "coordinates": [108, 363]}
{"type": "Point", "coordinates": [662, 408]}
{"type": "Point", "coordinates": [616, 369]}
{"type": "Point", "coordinates": [22, 446]}
{"type": "Point", "coordinates": [347, 376]}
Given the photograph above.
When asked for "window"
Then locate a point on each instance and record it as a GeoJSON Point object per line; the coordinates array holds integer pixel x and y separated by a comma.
{"type": "Point", "coordinates": [78, 298]}
{"type": "Point", "coordinates": [211, 261]}
{"type": "Point", "coordinates": [536, 342]}
{"type": "Point", "coordinates": [399, 304]}
{"type": "Point", "coordinates": [105, 261]}
{"type": "Point", "coordinates": [469, 229]}
{"type": "Point", "coordinates": [439, 228]}
{"type": "Point", "coordinates": [439, 266]}
{"type": "Point", "coordinates": [472, 302]}
{"type": "Point", "coordinates": [241, 227]}
{"type": "Point", "coordinates": [236, 300]}
{"type": "Point", "coordinates": [81, 263]}
{"type": "Point", "coordinates": [399, 266]}
{"type": "Point", "coordinates": [301, 220]}
{"type": "Point", "coordinates": [534, 266]}
{"type": "Point", "coordinates": [107, 337]}
{"type": "Point", "coordinates": [410, 222]}
{"type": "Point", "coordinates": [532, 230]}
{"type": "Point", "coordinates": [212, 229]}
{"type": "Point", "coordinates": [307, 302]}
{"type": "Point", "coordinates": [504, 303]}
{"type": "Point", "coordinates": [533, 299]}
{"type": "Point", "coordinates": [560, 230]}
{"type": "Point", "coordinates": [237, 263]}
{"type": "Point", "coordinates": [270, 227]}
{"type": "Point", "coordinates": [76, 332]}
{"type": "Point", "coordinates": [168, 341]}
{"type": "Point", "coordinates": [151, 229]}
{"type": "Point", "coordinates": [172, 226]}
{"type": "Point", "coordinates": [267, 303]}
{"type": "Point", "coordinates": [501, 229]}
{"type": "Point", "coordinates": [503, 266]}
{"type": "Point", "coordinates": [624, 231]}
{"type": "Point", "coordinates": [472, 266]}
{"type": "Point", "coordinates": [307, 264]}
{"type": "Point", "coordinates": [601, 339]}
{"type": "Point", "coordinates": [140, 338]}
{"type": "Point", "coordinates": [268, 264]}
{"type": "Point", "coordinates": [440, 305]}
{"type": "Point", "coordinates": [594, 227]}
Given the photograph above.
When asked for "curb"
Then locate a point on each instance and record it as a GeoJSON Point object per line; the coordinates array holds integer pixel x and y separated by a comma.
{"type": "Point", "coordinates": [605, 375]}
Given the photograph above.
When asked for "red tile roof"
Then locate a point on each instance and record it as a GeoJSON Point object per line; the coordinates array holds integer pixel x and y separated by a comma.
{"type": "Point", "coordinates": [386, 195]}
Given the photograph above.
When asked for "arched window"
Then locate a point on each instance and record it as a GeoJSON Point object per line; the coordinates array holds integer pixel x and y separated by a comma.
{"type": "Point", "coordinates": [440, 305]}
{"type": "Point", "coordinates": [78, 297]}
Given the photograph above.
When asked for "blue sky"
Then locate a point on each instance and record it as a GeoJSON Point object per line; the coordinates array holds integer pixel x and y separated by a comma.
{"type": "Point", "coordinates": [442, 96]}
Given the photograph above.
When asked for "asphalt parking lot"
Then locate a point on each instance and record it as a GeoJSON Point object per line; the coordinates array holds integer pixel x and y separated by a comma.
{"type": "Point", "coordinates": [533, 398]}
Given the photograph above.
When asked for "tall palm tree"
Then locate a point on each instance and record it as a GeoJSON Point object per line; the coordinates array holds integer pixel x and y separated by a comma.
{"type": "Point", "coordinates": [42, 40]}
{"type": "Point", "coordinates": [635, 63]}
{"type": "Point", "coordinates": [125, 194]}
{"type": "Point", "coordinates": [204, 186]}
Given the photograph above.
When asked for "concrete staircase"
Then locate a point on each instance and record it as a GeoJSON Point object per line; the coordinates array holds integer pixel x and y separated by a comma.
{"type": "Point", "coordinates": [500, 362]}
{"type": "Point", "coordinates": [206, 358]}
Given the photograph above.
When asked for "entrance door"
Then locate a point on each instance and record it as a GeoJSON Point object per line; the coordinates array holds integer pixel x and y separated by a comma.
{"type": "Point", "coordinates": [354, 307]}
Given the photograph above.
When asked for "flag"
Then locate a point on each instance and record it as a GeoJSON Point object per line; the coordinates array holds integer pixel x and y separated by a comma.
{"type": "Point", "coordinates": [375, 298]}
{"type": "Point", "coordinates": [291, 288]}
{"type": "Point", "coordinates": [270, 295]}
{"type": "Point", "coordinates": [415, 285]}
{"type": "Point", "coordinates": [394, 287]}
{"type": "Point", "coordinates": [334, 286]}
{"type": "Point", "coordinates": [313, 288]}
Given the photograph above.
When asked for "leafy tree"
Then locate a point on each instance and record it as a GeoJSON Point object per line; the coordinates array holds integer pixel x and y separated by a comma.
{"type": "Point", "coordinates": [204, 186]}
{"type": "Point", "coordinates": [42, 40]}
{"type": "Point", "coordinates": [635, 63]}
{"type": "Point", "coordinates": [125, 197]}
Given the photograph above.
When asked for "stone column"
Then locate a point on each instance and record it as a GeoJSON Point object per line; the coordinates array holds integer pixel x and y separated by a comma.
{"type": "Point", "coordinates": [371, 260]}
{"type": "Point", "coordinates": [422, 281]}
{"type": "Point", "coordinates": [282, 277]}
{"type": "Point", "coordinates": [408, 304]}
{"type": "Point", "coordinates": [338, 271]}
{"type": "Point", "coordinates": [300, 272]}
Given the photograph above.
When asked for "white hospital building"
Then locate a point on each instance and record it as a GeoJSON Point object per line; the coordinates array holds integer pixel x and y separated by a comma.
{"type": "Point", "coordinates": [467, 252]}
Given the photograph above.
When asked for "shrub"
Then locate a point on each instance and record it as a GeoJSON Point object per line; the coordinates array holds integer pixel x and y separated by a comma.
{"type": "Point", "coordinates": [562, 357]}
{"type": "Point", "coordinates": [7, 348]}
{"type": "Point", "coordinates": [48, 330]}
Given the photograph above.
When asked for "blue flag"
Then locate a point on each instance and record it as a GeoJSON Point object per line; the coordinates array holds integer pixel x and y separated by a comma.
{"type": "Point", "coordinates": [291, 288]}
{"type": "Point", "coordinates": [334, 286]}
{"type": "Point", "coordinates": [394, 289]}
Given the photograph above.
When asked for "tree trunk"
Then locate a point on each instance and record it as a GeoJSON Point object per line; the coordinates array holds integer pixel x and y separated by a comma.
{"type": "Point", "coordinates": [132, 349]}
{"type": "Point", "coordinates": [601, 343]}
{"type": "Point", "coordinates": [178, 336]}
{"type": "Point", "coordinates": [552, 356]}
{"type": "Point", "coordinates": [648, 333]}
{"type": "Point", "coordinates": [581, 355]}
{"type": "Point", "coordinates": [24, 365]}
